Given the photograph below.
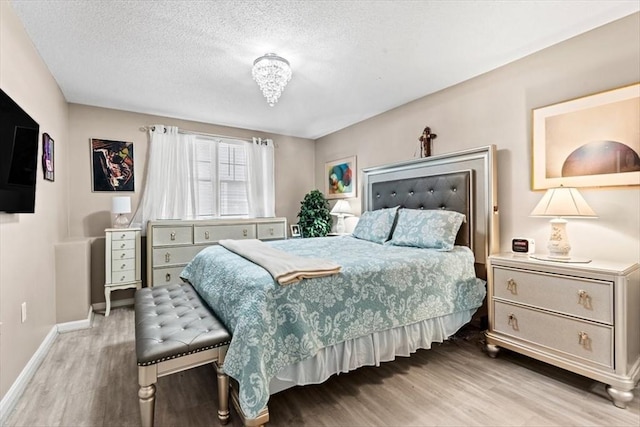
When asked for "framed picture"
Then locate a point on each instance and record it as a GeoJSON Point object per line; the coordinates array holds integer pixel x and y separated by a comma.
{"type": "Point", "coordinates": [340, 178]}
{"type": "Point", "coordinates": [112, 165]}
{"type": "Point", "coordinates": [47, 157]}
{"type": "Point", "coordinates": [295, 230]}
{"type": "Point", "coordinates": [593, 141]}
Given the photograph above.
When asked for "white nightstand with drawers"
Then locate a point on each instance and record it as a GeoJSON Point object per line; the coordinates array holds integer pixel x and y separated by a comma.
{"type": "Point", "coordinates": [583, 317]}
{"type": "Point", "coordinates": [122, 261]}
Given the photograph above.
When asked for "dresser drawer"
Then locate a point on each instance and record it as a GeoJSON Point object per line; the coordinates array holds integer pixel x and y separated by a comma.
{"type": "Point", "coordinates": [123, 276]}
{"type": "Point", "coordinates": [556, 332]}
{"type": "Point", "coordinates": [214, 233]}
{"type": "Point", "coordinates": [121, 245]}
{"type": "Point", "coordinates": [175, 255]}
{"type": "Point", "coordinates": [166, 276]}
{"type": "Point", "coordinates": [589, 299]}
{"type": "Point", "coordinates": [123, 254]}
{"type": "Point", "coordinates": [122, 265]}
{"type": "Point", "coordinates": [271, 230]}
{"type": "Point", "coordinates": [178, 235]}
{"type": "Point", "coordinates": [123, 235]}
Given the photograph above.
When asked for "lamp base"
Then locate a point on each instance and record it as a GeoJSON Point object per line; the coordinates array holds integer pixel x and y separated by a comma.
{"type": "Point", "coordinates": [121, 221]}
{"type": "Point", "coordinates": [340, 224]}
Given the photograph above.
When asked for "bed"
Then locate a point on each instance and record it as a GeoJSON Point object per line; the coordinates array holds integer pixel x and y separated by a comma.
{"type": "Point", "coordinates": [388, 299]}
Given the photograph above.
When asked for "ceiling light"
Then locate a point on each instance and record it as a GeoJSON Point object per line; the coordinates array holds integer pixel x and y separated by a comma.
{"type": "Point", "coordinates": [272, 73]}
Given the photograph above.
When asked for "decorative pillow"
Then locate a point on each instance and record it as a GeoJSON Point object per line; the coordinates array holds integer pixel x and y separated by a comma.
{"type": "Point", "coordinates": [433, 229]}
{"type": "Point", "coordinates": [375, 226]}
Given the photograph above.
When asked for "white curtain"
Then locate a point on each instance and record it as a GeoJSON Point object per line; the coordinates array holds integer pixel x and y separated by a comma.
{"type": "Point", "coordinates": [261, 179]}
{"type": "Point", "coordinates": [169, 191]}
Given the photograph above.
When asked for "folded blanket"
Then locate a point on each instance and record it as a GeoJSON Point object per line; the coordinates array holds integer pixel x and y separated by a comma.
{"type": "Point", "coordinates": [283, 266]}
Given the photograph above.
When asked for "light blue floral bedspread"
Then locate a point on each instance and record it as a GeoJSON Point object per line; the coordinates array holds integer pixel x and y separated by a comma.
{"type": "Point", "coordinates": [379, 287]}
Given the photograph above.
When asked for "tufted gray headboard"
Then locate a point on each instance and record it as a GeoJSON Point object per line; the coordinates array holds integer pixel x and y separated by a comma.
{"type": "Point", "coordinates": [451, 191]}
{"type": "Point", "coordinates": [464, 181]}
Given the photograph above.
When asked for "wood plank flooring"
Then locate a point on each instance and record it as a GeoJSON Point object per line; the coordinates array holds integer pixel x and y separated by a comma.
{"type": "Point", "coordinates": [89, 378]}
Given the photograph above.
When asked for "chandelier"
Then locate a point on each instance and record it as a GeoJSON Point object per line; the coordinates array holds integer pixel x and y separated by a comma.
{"type": "Point", "coordinates": [272, 73]}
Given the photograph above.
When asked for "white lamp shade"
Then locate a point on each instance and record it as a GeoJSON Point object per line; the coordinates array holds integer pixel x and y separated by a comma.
{"type": "Point", "coordinates": [121, 205]}
{"type": "Point", "coordinates": [341, 208]}
{"type": "Point", "coordinates": [563, 202]}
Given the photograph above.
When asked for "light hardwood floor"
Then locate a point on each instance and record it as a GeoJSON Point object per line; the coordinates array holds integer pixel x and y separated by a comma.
{"type": "Point", "coordinates": [89, 378]}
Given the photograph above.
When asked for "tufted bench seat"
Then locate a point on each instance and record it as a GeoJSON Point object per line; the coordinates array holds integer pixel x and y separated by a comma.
{"type": "Point", "coordinates": [175, 331]}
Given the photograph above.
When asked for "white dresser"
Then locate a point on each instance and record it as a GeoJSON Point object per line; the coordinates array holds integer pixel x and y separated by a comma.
{"type": "Point", "coordinates": [122, 261]}
{"type": "Point", "coordinates": [583, 317]}
{"type": "Point", "coordinates": [171, 244]}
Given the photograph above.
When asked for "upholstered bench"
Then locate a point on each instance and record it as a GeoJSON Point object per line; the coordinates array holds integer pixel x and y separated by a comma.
{"type": "Point", "coordinates": [175, 331]}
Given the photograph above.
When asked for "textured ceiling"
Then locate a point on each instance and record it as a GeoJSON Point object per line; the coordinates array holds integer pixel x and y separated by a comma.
{"type": "Point", "coordinates": [351, 60]}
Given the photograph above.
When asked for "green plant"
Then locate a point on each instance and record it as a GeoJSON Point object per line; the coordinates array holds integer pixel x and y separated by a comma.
{"type": "Point", "coordinates": [315, 216]}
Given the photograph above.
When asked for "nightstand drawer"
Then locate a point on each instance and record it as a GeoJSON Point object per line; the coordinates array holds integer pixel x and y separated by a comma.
{"type": "Point", "coordinates": [178, 235]}
{"type": "Point", "coordinates": [175, 255]}
{"type": "Point", "coordinates": [271, 230]}
{"type": "Point", "coordinates": [584, 340]}
{"type": "Point", "coordinates": [122, 265]}
{"type": "Point", "coordinates": [214, 233]}
{"type": "Point", "coordinates": [589, 299]}
{"type": "Point", "coordinates": [165, 276]}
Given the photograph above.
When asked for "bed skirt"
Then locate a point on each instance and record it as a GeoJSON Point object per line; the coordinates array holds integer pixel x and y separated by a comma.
{"type": "Point", "coordinates": [369, 350]}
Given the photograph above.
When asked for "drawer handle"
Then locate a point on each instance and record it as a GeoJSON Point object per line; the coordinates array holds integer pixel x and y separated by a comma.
{"type": "Point", "coordinates": [584, 299]}
{"type": "Point", "coordinates": [173, 235]}
{"type": "Point", "coordinates": [206, 235]}
{"type": "Point", "coordinates": [584, 340]}
{"type": "Point", "coordinates": [244, 232]}
{"type": "Point", "coordinates": [512, 286]}
{"type": "Point", "coordinates": [167, 257]}
{"type": "Point", "coordinates": [122, 278]}
{"type": "Point", "coordinates": [123, 245]}
{"type": "Point", "coordinates": [513, 322]}
{"type": "Point", "coordinates": [123, 236]}
{"type": "Point", "coordinates": [271, 231]}
{"type": "Point", "coordinates": [123, 266]}
{"type": "Point", "coordinates": [167, 277]}
{"type": "Point", "coordinates": [122, 256]}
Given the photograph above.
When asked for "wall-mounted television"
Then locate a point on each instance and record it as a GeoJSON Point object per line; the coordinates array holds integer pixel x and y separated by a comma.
{"type": "Point", "coordinates": [19, 135]}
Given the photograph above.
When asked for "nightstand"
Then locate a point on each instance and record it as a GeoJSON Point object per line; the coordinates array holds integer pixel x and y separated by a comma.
{"type": "Point", "coordinates": [122, 261]}
{"type": "Point", "coordinates": [580, 317]}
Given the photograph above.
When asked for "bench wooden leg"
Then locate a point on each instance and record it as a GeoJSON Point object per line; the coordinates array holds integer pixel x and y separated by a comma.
{"type": "Point", "coordinates": [147, 378]}
{"type": "Point", "coordinates": [223, 395]}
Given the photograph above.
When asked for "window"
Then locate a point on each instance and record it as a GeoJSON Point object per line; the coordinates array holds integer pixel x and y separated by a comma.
{"type": "Point", "coordinates": [221, 175]}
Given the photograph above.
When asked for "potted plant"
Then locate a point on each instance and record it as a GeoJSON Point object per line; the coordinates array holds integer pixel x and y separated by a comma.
{"type": "Point", "coordinates": [315, 216]}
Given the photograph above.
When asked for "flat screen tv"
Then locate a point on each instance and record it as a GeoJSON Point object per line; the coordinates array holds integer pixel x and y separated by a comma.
{"type": "Point", "coordinates": [18, 157]}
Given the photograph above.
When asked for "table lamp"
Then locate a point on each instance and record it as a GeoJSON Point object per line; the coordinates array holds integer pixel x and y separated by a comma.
{"type": "Point", "coordinates": [341, 209]}
{"type": "Point", "coordinates": [121, 206]}
{"type": "Point", "coordinates": [561, 202]}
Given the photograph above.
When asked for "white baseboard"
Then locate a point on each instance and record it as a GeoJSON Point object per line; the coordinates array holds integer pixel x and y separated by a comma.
{"type": "Point", "coordinates": [102, 306]}
{"type": "Point", "coordinates": [78, 324]}
{"type": "Point", "coordinates": [20, 384]}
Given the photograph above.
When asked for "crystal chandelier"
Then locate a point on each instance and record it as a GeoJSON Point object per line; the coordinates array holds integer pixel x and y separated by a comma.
{"type": "Point", "coordinates": [272, 73]}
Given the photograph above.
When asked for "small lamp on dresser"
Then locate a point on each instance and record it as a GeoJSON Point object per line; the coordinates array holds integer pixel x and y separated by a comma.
{"type": "Point", "coordinates": [559, 203]}
{"type": "Point", "coordinates": [341, 209]}
{"type": "Point", "coordinates": [120, 206]}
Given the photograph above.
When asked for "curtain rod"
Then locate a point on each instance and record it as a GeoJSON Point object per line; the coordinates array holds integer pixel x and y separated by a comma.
{"type": "Point", "coordinates": [188, 132]}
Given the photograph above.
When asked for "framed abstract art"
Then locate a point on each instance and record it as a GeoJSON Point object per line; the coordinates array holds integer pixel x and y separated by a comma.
{"type": "Point", "coordinates": [593, 141]}
{"type": "Point", "coordinates": [340, 178]}
{"type": "Point", "coordinates": [112, 165]}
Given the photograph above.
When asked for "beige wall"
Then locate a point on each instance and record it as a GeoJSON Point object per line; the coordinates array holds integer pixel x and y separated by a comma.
{"type": "Point", "coordinates": [89, 212]}
{"type": "Point", "coordinates": [495, 108]}
{"type": "Point", "coordinates": [27, 256]}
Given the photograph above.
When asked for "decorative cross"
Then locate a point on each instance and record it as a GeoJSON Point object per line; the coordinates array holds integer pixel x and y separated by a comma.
{"type": "Point", "coordinates": [425, 142]}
